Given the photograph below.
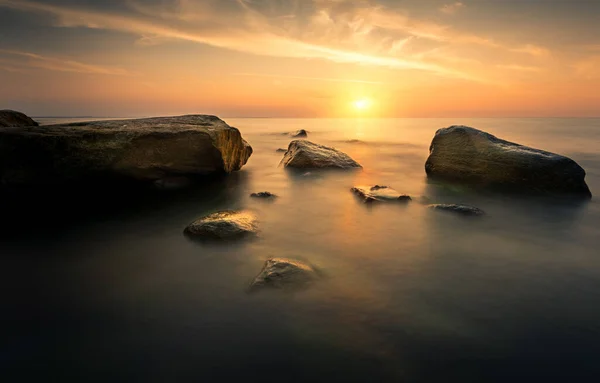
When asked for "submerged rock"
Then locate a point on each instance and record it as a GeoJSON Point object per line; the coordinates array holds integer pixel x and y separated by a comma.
{"type": "Point", "coordinates": [265, 195]}
{"type": "Point", "coordinates": [224, 225]}
{"type": "Point", "coordinates": [379, 194]}
{"type": "Point", "coordinates": [464, 154]}
{"type": "Point", "coordinates": [465, 210]}
{"type": "Point", "coordinates": [147, 149]}
{"type": "Point", "coordinates": [284, 273]}
{"type": "Point", "coordinates": [307, 155]}
{"type": "Point", "coordinates": [11, 118]}
{"type": "Point", "coordinates": [299, 133]}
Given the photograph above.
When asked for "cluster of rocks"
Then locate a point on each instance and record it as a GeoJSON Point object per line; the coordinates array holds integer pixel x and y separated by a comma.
{"type": "Point", "coordinates": [166, 151]}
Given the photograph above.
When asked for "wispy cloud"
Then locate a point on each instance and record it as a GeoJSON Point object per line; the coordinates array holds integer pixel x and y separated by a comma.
{"type": "Point", "coordinates": [33, 60]}
{"type": "Point", "coordinates": [520, 68]}
{"type": "Point", "coordinates": [451, 9]}
{"type": "Point", "coordinates": [343, 31]}
{"type": "Point", "coordinates": [308, 78]}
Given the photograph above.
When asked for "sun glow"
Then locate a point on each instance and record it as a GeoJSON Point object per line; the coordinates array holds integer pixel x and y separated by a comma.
{"type": "Point", "coordinates": [361, 104]}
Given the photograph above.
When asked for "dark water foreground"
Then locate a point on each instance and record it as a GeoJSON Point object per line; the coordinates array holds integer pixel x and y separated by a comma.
{"type": "Point", "coordinates": [109, 289]}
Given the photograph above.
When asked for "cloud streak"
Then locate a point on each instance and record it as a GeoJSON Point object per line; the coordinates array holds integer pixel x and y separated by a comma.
{"type": "Point", "coordinates": [451, 9]}
{"type": "Point", "coordinates": [33, 60]}
{"type": "Point", "coordinates": [308, 78]}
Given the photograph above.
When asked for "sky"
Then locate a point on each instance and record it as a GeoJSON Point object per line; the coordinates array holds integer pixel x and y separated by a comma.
{"type": "Point", "coordinates": [301, 58]}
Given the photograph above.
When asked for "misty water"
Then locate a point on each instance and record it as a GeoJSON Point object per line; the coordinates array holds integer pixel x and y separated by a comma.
{"type": "Point", "coordinates": [409, 294]}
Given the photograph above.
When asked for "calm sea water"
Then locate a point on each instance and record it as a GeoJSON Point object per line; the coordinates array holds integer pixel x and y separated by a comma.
{"type": "Point", "coordinates": [409, 295]}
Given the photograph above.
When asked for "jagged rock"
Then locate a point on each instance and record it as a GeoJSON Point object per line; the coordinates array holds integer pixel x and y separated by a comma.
{"type": "Point", "coordinates": [265, 195]}
{"type": "Point", "coordinates": [465, 154]}
{"type": "Point", "coordinates": [223, 226]}
{"type": "Point", "coordinates": [379, 194]}
{"type": "Point", "coordinates": [148, 149]}
{"type": "Point", "coordinates": [11, 118]}
{"type": "Point", "coordinates": [283, 273]}
{"type": "Point", "coordinates": [307, 155]}
{"type": "Point", "coordinates": [458, 209]}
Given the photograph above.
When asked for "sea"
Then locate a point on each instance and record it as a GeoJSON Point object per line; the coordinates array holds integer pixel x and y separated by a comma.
{"type": "Point", "coordinates": [119, 294]}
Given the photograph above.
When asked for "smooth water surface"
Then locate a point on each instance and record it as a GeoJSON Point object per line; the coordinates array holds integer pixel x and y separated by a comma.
{"type": "Point", "coordinates": [409, 294]}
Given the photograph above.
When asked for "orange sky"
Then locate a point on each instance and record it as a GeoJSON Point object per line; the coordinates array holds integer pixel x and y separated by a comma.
{"type": "Point", "coordinates": [301, 58]}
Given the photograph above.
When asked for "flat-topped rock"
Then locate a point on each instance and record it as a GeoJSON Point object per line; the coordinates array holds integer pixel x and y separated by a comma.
{"type": "Point", "coordinates": [459, 209]}
{"type": "Point", "coordinates": [377, 193]}
{"type": "Point", "coordinates": [284, 273]}
{"type": "Point", "coordinates": [225, 225]}
{"type": "Point", "coordinates": [468, 155]}
{"type": "Point", "coordinates": [148, 149]}
{"type": "Point", "coordinates": [11, 118]}
{"type": "Point", "coordinates": [302, 154]}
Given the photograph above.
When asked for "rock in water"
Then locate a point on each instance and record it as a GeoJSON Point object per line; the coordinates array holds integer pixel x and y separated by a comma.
{"type": "Point", "coordinates": [458, 209]}
{"type": "Point", "coordinates": [303, 154]}
{"type": "Point", "coordinates": [284, 273]}
{"type": "Point", "coordinates": [379, 194]}
{"type": "Point", "coordinates": [223, 225]}
{"type": "Point", "coordinates": [146, 149]}
{"type": "Point", "coordinates": [299, 133]}
{"type": "Point", "coordinates": [464, 154]}
{"type": "Point", "coordinates": [265, 195]}
{"type": "Point", "coordinates": [11, 118]}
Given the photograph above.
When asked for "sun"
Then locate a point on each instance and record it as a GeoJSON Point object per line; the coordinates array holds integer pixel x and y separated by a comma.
{"type": "Point", "coordinates": [361, 104]}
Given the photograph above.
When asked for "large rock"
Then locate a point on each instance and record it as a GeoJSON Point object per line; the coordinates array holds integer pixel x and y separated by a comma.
{"type": "Point", "coordinates": [283, 273]}
{"type": "Point", "coordinates": [11, 118]}
{"type": "Point", "coordinates": [223, 226]}
{"type": "Point", "coordinates": [303, 154]}
{"type": "Point", "coordinates": [464, 154]}
{"type": "Point", "coordinates": [146, 149]}
{"type": "Point", "coordinates": [370, 194]}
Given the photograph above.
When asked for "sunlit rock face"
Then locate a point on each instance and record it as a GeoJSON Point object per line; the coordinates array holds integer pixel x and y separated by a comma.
{"type": "Point", "coordinates": [148, 149]}
{"type": "Point", "coordinates": [464, 154]}
{"type": "Point", "coordinates": [226, 225]}
{"type": "Point", "coordinates": [11, 118]}
{"type": "Point", "coordinates": [283, 273]}
{"type": "Point", "coordinates": [464, 210]}
{"type": "Point", "coordinates": [377, 193]}
{"type": "Point", "coordinates": [303, 154]}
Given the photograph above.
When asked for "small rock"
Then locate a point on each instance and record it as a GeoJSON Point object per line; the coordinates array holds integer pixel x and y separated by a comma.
{"type": "Point", "coordinates": [458, 209]}
{"type": "Point", "coordinates": [303, 154]}
{"type": "Point", "coordinates": [379, 193]}
{"type": "Point", "coordinates": [265, 194]}
{"type": "Point", "coordinates": [299, 133]}
{"type": "Point", "coordinates": [281, 150]}
{"type": "Point", "coordinates": [283, 273]}
{"type": "Point", "coordinates": [224, 225]}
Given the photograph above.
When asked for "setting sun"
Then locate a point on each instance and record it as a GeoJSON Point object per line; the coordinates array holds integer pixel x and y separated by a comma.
{"type": "Point", "coordinates": [361, 104]}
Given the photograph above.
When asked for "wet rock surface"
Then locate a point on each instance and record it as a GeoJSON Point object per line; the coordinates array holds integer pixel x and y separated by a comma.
{"type": "Point", "coordinates": [227, 225]}
{"type": "Point", "coordinates": [377, 193]}
{"type": "Point", "coordinates": [459, 209]}
{"type": "Point", "coordinates": [303, 154]}
{"type": "Point", "coordinates": [284, 273]}
{"type": "Point", "coordinates": [464, 154]}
